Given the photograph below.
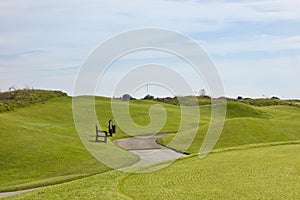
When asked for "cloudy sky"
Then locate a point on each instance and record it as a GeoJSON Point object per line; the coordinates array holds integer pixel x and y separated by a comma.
{"type": "Point", "coordinates": [255, 45]}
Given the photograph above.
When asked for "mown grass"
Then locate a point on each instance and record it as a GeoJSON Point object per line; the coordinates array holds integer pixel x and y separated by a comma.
{"type": "Point", "coordinates": [247, 124]}
{"type": "Point", "coordinates": [40, 145]}
{"type": "Point", "coordinates": [139, 112]}
{"type": "Point", "coordinates": [257, 173]}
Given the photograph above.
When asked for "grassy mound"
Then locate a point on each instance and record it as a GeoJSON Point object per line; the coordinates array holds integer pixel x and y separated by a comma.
{"type": "Point", "coordinates": [40, 146]}
{"type": "Point", "coordinates": [248, 125]}
{"type": "Point", "coordinates": [259, 173]}
{"type": "Point", "coordinates": [22, 98]}
{"type": "Point", "coordinates": [238, 110]}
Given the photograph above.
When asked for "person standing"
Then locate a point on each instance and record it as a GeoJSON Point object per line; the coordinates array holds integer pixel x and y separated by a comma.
{"type": "Point", "coordinates": [110, 127]}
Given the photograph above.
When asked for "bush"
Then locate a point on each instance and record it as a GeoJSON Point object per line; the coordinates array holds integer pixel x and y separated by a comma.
{"type": "Point", "coordinates": [269, 102]}
{"type": "Point", "coordinates": [277, 98]}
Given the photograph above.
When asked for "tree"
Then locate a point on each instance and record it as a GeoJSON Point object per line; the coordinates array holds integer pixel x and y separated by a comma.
{"type": "Point", "coordinates": [13, 92]}
{"type": "Point", "coordinates": [148, 97]}
{"type": "Point", "coordinates": [202, 92]}
{"type": "Point", "coordinates": [275, 98]}
{"type": "Point", "coordinates": [126, 97]}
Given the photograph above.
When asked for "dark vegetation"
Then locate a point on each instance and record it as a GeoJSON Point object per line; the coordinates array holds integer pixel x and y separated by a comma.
{"type": "Point", "coordinates": [206, 100]}
{"type": "Point", "coordinates": [25, 97]}
{"type": "Point", "coordinates": [270, 102]}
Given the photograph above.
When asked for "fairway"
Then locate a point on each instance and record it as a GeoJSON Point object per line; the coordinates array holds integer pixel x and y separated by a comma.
{"type": "Point", "coordinates": [257, 173]}
{"type": "Point", "coordinates": [40, 147]}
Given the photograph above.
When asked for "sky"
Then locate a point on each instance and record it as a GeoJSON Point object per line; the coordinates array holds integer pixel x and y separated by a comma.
{"type": "Point", "coordinates": [255, 45]}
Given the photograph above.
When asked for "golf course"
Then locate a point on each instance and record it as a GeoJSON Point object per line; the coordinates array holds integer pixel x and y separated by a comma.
{"type": "Point", "coordinates": [256, 157]}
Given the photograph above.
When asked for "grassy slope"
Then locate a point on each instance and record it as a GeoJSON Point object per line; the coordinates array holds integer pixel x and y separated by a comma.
{"type": "Point", "coordinates": [249, 125]}
{"type": "Point", "coordinates": [139, 111]}
{"type": "Point", "coordinates": [40, 145]}
{"type": "Point", "coordinates": [257, 173]}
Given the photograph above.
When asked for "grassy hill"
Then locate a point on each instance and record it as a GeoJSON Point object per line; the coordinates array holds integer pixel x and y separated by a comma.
{"type": "Point", "coordinates": [26, 97]}
{"type": "Point", "coordinates": [40, 145]}
{"type": "Point", "coordinates": [247, 124]}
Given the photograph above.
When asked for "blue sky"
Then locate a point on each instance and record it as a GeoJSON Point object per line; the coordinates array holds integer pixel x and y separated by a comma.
{"type": "Point", "coordinates": [254, 44]}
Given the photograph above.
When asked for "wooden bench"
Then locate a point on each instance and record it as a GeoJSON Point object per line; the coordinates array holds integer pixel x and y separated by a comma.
{"type": "Point", "coordinates": [110, 132]}
{"type": "Point", "coordinates": [101, 136]}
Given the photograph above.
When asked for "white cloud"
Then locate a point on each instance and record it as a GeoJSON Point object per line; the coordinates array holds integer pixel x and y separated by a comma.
{"type": "Point", "coordinates": [266, 43]}
{"type": "Point", "coordinates": [68, 30]}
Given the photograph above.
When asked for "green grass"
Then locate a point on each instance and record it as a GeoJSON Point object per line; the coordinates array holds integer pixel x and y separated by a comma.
{"type": "Point", "coordinates": [247, 124]}
{"type": "Point", "coordinates": [257, 173]}
{"type": "Point", "coordinates": [40, 145]}
{"type": "Point", "coordinates": [139, 111]}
